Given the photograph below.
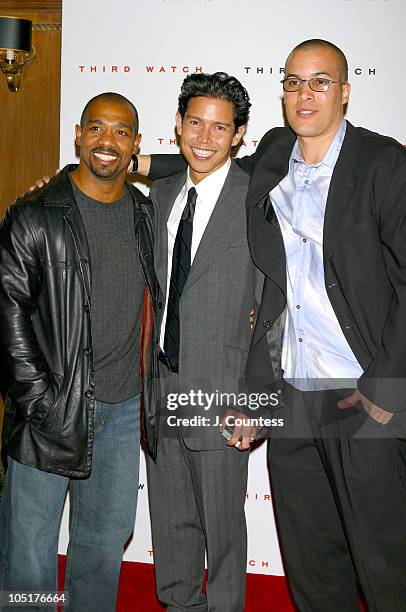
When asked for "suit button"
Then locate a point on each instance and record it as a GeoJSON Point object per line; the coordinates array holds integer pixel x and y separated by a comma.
{"type": "Point", "coordinates": [87, 351]}
{"type": "Point", "coordinates": [266, 324]}
{"type": "Point", "coordinates": [89, 394]}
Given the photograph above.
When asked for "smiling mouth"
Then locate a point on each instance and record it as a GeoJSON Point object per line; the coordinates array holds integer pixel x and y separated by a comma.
{"type": "Point", "coordinates": [202, 152]}
{"type": "Point", "coordinates": [106, 157]}
{"type": "Point", "coordinates": [305, 113]}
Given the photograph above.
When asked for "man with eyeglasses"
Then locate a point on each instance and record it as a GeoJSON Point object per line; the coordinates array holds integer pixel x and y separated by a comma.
{"type": "Point", "coordinates": [326, 224]}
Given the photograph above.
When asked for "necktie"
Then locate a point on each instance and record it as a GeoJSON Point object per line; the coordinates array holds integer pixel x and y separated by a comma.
{"type": "Point", "coordinates": [181, 261]}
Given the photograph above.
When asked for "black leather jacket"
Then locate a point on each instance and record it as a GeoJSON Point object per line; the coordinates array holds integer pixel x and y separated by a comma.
{"type": "Point", "coordinates": [46, 352]}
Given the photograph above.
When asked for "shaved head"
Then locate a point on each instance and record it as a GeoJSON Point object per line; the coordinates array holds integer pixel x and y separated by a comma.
{"type": "Point", "coordinates": [111, 96]}
{"type": "Point", "coordinates": [319, 43]}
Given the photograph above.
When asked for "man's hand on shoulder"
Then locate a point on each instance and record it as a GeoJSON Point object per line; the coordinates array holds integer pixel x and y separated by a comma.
{"type": "Point", "coordinates": [42, 181]}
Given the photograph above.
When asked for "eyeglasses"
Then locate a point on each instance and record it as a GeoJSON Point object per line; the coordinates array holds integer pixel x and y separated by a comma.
{"type": "Point", "coordinates": [316, 84]}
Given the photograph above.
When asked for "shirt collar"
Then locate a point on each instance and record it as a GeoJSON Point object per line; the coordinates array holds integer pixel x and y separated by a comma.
{"type": "Point", "coordinates": [331, 155]}
{"type": "Point", "coordinates": [212, 183]}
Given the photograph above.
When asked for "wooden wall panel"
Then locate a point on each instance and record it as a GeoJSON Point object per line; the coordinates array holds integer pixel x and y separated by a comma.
{"type": "Point", "coordinates": [30, 6]}
{"type": "Point", "coordinates": [29, 144]}
{"type": "Point", "coordinates": [29, 118]}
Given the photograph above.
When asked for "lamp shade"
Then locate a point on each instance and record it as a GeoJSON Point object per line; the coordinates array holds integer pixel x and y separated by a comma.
{"type": "Point", "coordinates": [15, 34]}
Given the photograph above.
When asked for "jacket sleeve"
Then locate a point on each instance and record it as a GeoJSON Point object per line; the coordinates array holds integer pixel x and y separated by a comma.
{"type": "Point", "coordinates": [384, 380]}
{"type": "Point", "coordinates": [246, 163]}
{"type": "Point", "coordinates": [25, 372]}
{"type": "Point", "coordinates": [163, 165]}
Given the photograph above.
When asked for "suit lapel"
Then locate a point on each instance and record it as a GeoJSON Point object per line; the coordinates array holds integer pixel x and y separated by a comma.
{"type": "Point", "coordinates": [341, 190]}
{"type": "Point", "coordinates": [223, 226]}
{"type": "Point", "coordinates": [267, 248]}
{"type": "Point", "coordinates": [265, 237]}
{"type": "Point", "coordinates": [271, 164]}
{"type": "Point", "coordinates": [270, 171]}
{"type": "Point", "coordinates": [164, 200]}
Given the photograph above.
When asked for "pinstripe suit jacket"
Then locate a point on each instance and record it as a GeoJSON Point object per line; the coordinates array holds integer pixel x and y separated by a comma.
{"type": "Point", "coordinates": [222, 287]}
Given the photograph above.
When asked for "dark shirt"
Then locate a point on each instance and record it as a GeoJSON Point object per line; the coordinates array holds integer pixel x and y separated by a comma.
{"type": "Point", "coordinates": [117, 295]}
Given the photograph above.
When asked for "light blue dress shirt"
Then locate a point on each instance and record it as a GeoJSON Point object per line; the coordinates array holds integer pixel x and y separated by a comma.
{"type": "Point", "coordinates": [315, 353]}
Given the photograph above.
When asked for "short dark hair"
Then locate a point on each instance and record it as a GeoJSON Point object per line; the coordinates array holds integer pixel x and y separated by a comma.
{"type": "Point", "coordinates": [319, 42]}
{"type": "Point", "coordinates": [218, 85]}
{"type": "Point", "coordinates": [110, 96]}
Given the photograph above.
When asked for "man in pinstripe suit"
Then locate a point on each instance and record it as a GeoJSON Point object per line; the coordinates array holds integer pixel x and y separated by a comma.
{"type": "Point", "coordinates": [197, 484]}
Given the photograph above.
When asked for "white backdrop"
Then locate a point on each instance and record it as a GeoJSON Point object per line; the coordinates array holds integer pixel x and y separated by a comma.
{"type": "Point", "coordinates": [144, 48]}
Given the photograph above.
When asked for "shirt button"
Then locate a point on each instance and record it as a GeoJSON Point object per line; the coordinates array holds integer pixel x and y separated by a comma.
{"type": "Point", "coordinates": [304, 240]}
{"type": "Point", "coordinates": [300, 339]}
{"type": "Point", "coordinates": [307, 182]}
{"type": "Point", "coordinates": [298, 306]}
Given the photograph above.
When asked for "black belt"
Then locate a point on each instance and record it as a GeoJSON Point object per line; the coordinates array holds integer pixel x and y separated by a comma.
{"type": "Point", "coordinates": [165, 360]}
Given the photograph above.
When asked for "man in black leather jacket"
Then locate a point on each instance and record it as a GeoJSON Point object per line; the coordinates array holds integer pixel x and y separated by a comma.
{"type": "Point", "coordinates": [76, 276]}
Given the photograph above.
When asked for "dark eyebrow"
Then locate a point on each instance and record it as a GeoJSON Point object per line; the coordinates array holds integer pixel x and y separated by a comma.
{"type": "Point", "coordinates": [124, 125]}
{"type": "Point", "coordinates": [215, 122]}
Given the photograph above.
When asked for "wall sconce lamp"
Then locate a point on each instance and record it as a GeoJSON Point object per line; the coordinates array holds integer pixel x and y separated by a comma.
{"type": "Point", "coordinates": [16, 48]}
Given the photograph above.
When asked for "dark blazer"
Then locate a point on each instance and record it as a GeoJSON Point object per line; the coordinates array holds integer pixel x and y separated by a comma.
{"type": "Point", "coordinates": [364, 249]}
